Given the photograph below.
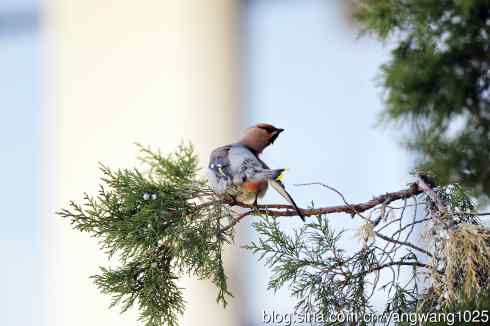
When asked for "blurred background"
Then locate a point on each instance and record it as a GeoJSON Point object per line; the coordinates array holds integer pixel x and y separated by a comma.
{"type": "Point", "coordinates": [82, 81]}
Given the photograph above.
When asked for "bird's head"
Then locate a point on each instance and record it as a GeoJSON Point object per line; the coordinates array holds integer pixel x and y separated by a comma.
{"type": "Point", "coordinates": [260, 136]}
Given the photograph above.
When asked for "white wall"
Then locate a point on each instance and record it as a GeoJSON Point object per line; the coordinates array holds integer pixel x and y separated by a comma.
{"type": "Point", "coordinates": [154, 72]}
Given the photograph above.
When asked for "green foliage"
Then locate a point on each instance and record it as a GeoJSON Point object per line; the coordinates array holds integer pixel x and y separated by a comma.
{"type": "Point", "coordinates": [438, 80]}
{"type": "Point", "coordinates": [327, 280]}
{"type": "Point", "coordinates": [321, 276]}
{"type": "Point", "coordinates": [160, 225]}
{"type": "Point", "coordinates": [459, 201]}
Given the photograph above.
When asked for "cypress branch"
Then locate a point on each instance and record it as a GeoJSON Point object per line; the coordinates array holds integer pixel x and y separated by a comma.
{"type": "Point", "coordinates": [163, 222]}
{"type": "Point", "coordinates": [159, 225]}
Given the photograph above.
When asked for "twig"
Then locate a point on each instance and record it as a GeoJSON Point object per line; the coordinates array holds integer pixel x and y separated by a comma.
{"type": "Point", "coordinates": [473, 214]}
{"type": "Point", "coordinates": [391, 264]}
{"type": "Point", "coordinates": [236, 221]}
{"type": "Point", "coordinates": [278, 210]}
{"type": "Point", "coordinates": [432, 194]}
{"type": "Point", "coordinates": [340, 195]}
{"type": "Point", "coordinates": [403, 243]}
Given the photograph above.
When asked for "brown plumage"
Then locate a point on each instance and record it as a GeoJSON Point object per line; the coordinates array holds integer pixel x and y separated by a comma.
{"type": "Point", "coordinates": [260, 136]}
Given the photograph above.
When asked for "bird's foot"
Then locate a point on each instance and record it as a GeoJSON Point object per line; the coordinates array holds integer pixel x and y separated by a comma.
{"type": "Point", "coordinates": [230, 200]}
{"type": "Point", "coordinates": [255, 205]}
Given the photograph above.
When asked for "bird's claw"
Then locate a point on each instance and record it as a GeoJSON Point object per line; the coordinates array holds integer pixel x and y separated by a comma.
{"type": "Point", "coordinates": [230, 200]}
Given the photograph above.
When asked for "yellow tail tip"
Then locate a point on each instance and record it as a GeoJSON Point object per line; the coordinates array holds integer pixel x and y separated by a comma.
{"type": "Point", "coordinates": [280, 177]}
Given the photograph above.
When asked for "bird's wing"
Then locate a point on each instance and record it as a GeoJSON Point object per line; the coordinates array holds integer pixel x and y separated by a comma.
{"type": "Point", "coordinates": [244, 164]}
{"type": "Point", "coordinates": [232, 165]}
{"type": "Point", "coordinates": [220, 176]}
{"type": "Point", "coordinates": [281, 189]}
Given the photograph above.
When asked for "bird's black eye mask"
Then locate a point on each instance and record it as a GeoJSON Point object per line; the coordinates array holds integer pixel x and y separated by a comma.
{"type": "Point", "coordinates": [274, 137]}
{"type": "Point", "coordinates": [272, 131]}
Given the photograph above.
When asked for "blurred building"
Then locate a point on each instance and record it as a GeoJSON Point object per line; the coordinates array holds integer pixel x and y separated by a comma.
{"type": "Point", "coordinates": [154, 72]}
{"type": "Point", "coordinates": [20, 235]}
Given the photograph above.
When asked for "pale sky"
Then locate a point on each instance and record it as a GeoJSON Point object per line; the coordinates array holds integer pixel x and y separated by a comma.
{"type": "Point", "coordinates": [305, 70]}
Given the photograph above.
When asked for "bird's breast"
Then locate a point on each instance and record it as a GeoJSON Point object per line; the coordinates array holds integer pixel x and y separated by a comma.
{"type": "Point", "coordinates": [254, 186]}
{"type": "Point", "coordinates": [249, 191]}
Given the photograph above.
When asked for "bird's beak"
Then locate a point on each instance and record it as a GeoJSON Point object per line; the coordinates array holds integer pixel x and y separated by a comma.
{"type": "Point", "coordinates": [275, 134]}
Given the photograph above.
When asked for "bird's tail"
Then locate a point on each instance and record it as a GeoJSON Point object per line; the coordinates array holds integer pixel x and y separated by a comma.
{"type": "Point", "coordinates": [267, 174]}
{"type": "Point", "coordinates": [277, 184]}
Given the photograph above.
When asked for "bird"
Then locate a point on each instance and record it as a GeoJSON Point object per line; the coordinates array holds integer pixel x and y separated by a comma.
{"type": "Point", "coordinates": [236, 171]}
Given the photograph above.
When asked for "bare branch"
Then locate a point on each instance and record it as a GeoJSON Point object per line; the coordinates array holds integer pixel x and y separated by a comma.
{"type": "Point", "coordinates": [403, 243]}
{"type": "Point", "coordinates": [278, 210]}
{"type": "Point", "coordinates": [393, 263]}
{"type": "Point", "coordinates": [431, 193]}
{"type": "Point", "coordinates": [236, 221]}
